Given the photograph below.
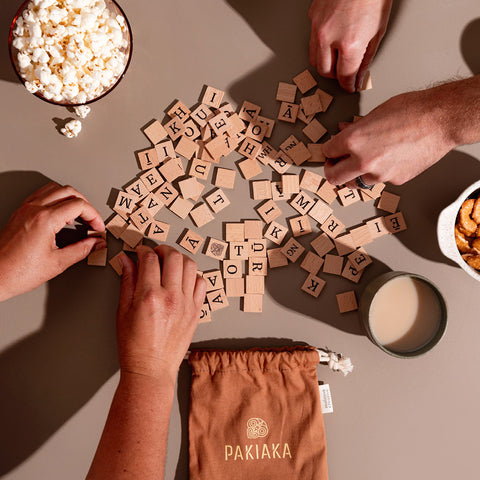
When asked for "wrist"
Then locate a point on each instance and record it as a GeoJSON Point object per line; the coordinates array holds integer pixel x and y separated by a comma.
{"type": "Point", "coordinates": [144, 382]}
{"type": "Point", "coordinates": [149, 369]}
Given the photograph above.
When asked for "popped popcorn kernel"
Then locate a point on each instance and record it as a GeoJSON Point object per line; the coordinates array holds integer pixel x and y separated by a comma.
{"type": "Point", "coordinates": [72, 128]}
{"type": "Point", "coordinates": [82, 111]}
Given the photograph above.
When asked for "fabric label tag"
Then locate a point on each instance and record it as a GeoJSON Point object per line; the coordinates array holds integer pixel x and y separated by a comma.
{"type": "Point", "coordinates": [326, 398]}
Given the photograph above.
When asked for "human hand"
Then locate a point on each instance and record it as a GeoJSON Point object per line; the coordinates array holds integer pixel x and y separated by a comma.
{"type": "Point", "coordinates": [158, 311]}
{"type": "Point", "coordinates": [345, 37]}
{"type": "Point", "coordinates": [395, 142]}
{"type": "Point", "coordinates": [28, 254]}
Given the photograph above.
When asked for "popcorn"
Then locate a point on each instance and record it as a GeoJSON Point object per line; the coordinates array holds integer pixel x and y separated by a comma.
{"type": "Point", "coordinates": [70, 50]}
{"type": "Point", "coordinates": [82, 111]}
{"type": "Point", "coordinates": [72, 129]}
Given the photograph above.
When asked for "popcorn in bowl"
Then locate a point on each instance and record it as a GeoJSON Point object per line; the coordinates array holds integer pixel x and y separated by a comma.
{"type": "Point", "coordinates": [70, 51]}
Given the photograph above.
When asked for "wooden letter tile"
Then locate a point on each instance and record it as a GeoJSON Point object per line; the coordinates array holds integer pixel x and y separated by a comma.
{"type": "Point", "coordinates": [316, 152]}
{"type": "Point", "coordinates": [351, 273]}
{"type": "Point", "coordinates": [141, 218]}
{"type": "Point", "coordinates": [151, 179]}
{"type": "Point", "coordinates": [300, 154]}
{"type": "Point", "coordinates": [395, 223]}
{"type": "Point", "coordinates": [333, 264]}
{"type": "Point", "coordinates": [288, 112]}
{"type": "Point", "coordinates": [276, 258]}
{"type": "Point", "coordinates": [347, 196]}
{"type": "Point", "coordinates": [255, 284]}
{"type": "Point", "coordinates": [304, 81]}
{"type": "Point", "coordinates": [181, 207]}
{"type": "Point", "coordinates": [125, 203]}
{"type": "Point", "coordinates": [361, 235]}
{"type": "Point", "coordinates": [313, 285]}
{"type": "Point", "coordinates": [174, 128]}
{"type": "Point", "coordinates": [158, 231]}
{"type": "Point", "coordinates": [165, 150]}
{"type": "Point", "coordinates": [257, 266]}
{"type": "Point", "coordinates": [347, 301]}
{"type": "Point", "coordinates": [186, 147]}
{"type": "Point", "coordinates": [116, 226]}
{"type": "Point", "coordinates": [257, 248]}
{"type": "Point", "coordinates": [202, 115]}
{"type": "Point", "coordinates": [286, 92]}
{"type": "Point", "coordinates": [205, 315]}
{"type": "Point", "coordinates": [214, 280]}
{"type": "Point", "coordinates": [253, 229]}
{"type": "Point", "coordinates": [250, 168]}
{"type": "Point", "coordinates": [300, 226]}
{"type": "Point", "coordinates": [224, 178]}
{"type": "Point", "coordinates": [148, 159]}
{"type": "Point", "coordinates": [138, 189]}
{"type": "Point", "coordinates": [188, 187]}
{"type": "Point", "coordinates": [199, 169]}
{"type": "Point", "coordinates": [216, 249]}
{"type": "Point", "coordinates": [239, 250]}
{"type": "Point", "coordinates": [179, 111]}
{"type": "Point", "coordinates": [325, 98]}
{"type": "Point", "coordinates": [261, 189]}
{"type": "Point", "coordinates": [292, 250]}
{"type": "Point", "coordinates": [333, 226]}
{"type": "Point", "coordinates": [302, 203]}
{"type": "Point", "coordinates": [155, 132]}
{"type": "Point", "coordinates": [388, 202]}
{"type": "Point", "coordinates": [359, 259]}
{"type": "Point", "coordinates": [310, 181]}
{"type": "Point", "coordinates": [166, 193]}
{"type": "Point", "coordinates": [344, 244]}
{"type": "Point", "coordinates": [277, 192]}
{"type": "Point", "coordinates": [97, 258]}
{"type": "Point", "coordinates": [281, 163]}
{"type": "Point", "coordinates": [312, 263]}
{"type": "Point", "coordinates": [322, 244]}
{"type": "Point", "coordinates": [276, 232]}
{"type": "Point", "coordinates": [115, 263]}
{"type": "Point", "coordinates": [191, 241]}
{"type": "Point", "coordinates": [311, 105]}
{"type": "Point", "coordinates": [290, 184]}
{"type": "Point", "coordinates": [235, 287]}
{"type": "Point", "coordinates": [252, 303]}
{"type": "Point", "coordinates": [249, 111]}
{"type": "Point", "coordinates": [213, 97]}
{"type": "Point", "coordinates": [377, 227]}
{"type": "Point", "coordinates": [327, 192]}
{"type": "Point", "coordinates": [201, 215]}
{"type": "Point", "coordinates": [152, 203]}
{"type": "Point", "coordinates": [217, 300]}
{"type": "Point", "coordinates": [232, 268]}
{"type": "Point", "coordinates": [132, 236]}
{"type": "Point", "coordinates": [217, 200]}
{"type": "Point", "coordinates": [234, 232]}
{"type": "Point", "coordinates": [172, 169]}
{"type": "Point", "coordinates": [269, 211]}
{"type": "Point", "coordinates": [320, 211]}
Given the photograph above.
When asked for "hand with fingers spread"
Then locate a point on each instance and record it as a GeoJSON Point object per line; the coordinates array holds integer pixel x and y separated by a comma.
{"type": "Point", "coordinates": [345, 36]}
{"type": "Point", "coordinates": [28, 254]}
{"type": "Point", "coordinates": [158, 312]}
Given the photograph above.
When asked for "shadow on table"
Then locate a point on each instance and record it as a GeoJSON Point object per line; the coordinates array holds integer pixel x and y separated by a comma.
{"type": "Point", "coordinates": [184, 380]}
{"type": "Point", "coordinates": [469, 45]}
{"type": "Point", "coordinates": [49, 375]}
{"type": "Point", "coordinates": [424, 197]}
{"type": "Point", "coordinates": [7, 12]}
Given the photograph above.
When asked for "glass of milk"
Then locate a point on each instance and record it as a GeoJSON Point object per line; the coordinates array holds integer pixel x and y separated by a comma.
{"type": "Point", "coordinates": [403, 313]}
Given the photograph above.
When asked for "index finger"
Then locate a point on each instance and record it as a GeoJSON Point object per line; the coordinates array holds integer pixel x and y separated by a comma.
{"type": "Point", "coordinates": [342, 171]}
{"type": "Point", "coordinates": [68, 210]}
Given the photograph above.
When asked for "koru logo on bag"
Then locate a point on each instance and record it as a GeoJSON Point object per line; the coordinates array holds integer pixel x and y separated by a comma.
{"type": "Point", "coordinates": [257, 428]}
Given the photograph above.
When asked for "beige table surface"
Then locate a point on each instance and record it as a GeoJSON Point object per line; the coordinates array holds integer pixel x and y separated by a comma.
{"type": "Point", "coordinates": [393, 419]}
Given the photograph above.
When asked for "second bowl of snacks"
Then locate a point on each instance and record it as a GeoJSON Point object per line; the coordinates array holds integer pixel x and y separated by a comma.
{"type": "Point", "coordinates": [70, 52]}
{"type": "Point", "coordinates": [458, 230]}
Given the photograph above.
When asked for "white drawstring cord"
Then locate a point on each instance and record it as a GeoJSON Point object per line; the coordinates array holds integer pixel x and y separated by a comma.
{"type": "Point", "coordinates": [335, 361]}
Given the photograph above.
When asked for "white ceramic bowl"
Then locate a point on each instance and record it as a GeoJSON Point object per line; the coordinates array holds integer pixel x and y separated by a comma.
{"type": "Point", "coordinates": [446, 231]}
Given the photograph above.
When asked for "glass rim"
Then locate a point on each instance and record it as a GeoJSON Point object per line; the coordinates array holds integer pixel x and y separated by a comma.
{"type": "Point", "coordinates": [70, 104]}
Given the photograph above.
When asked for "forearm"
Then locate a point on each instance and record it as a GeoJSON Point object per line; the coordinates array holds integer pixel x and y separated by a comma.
{"type": "Point", "coordinates": [134, 439]}
{"type": "Point", "coordinates": [460, 106]}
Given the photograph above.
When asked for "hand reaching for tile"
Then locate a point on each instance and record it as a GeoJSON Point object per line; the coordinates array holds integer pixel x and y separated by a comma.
{"type": "Point", "coordinates": [29, 256]}
{"type": "Point", "coordinates": [345, 37]}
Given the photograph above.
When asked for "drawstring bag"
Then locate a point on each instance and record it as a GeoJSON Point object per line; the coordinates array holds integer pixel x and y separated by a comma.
{"type": "Point", "coordinates": [256, 414]}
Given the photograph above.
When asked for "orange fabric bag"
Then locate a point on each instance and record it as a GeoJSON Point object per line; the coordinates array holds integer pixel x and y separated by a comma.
{"type": "Point", "coordinates": [256, 414]}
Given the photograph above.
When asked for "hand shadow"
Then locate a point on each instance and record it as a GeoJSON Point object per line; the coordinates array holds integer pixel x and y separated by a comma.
{"type": "Point", "coordinates": [469, 45]}
{"type": "Point", "coordinates": [7, 13]}
{"type": "Point", "coordinates": [50, 374]}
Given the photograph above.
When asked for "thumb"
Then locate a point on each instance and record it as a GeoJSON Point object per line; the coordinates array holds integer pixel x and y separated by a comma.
{"type": "Point", "coordinates": [76, 252]}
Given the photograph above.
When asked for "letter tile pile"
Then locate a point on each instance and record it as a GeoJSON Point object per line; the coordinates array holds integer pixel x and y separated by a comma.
{"type": "Point", "coordinates": [204, 135]}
